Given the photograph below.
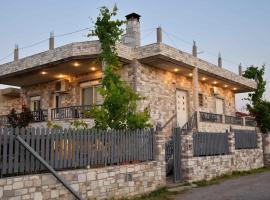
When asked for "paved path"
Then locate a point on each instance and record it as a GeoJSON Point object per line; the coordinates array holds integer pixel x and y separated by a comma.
{"type": "Point", "coordinates": [252, 187]}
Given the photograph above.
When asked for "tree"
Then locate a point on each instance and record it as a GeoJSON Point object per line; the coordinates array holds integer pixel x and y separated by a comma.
{"type": "Point", "coordinates": [20, 119]}
{"type": "Point", "coordinates": [119, 109]}
{"type": "Point", "coordinates": [257, 106]}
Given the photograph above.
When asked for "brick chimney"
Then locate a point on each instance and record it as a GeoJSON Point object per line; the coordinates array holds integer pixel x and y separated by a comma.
{"type": "Point", "coordinates": [132, 37]}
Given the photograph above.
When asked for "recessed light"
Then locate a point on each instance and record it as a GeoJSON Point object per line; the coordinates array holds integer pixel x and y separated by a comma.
{"type": "Point", "coordinates": [176, 70]}
{"type": "Point", "coordinates": [44, 73]}
{"type": "Point", "coordinates": [93, 68]}
{"type": "Point", "coordinates": [61, 76]}
{"type": "Point", "coordinates": [215, 82]}
{"type": "Point", "coordinates": [203, 78]}
{"type": "Point", "coordinates": [190, 74]}
{"type": "Point", "coordinates": [225, 86]}
{"type": "Point", "coordinates": [234, 88]}
{"type": "Point", "coordinates": [76, 64]}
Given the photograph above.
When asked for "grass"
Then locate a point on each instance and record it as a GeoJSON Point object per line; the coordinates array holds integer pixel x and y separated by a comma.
{"type": "Point", "coordinates": [224, 177]}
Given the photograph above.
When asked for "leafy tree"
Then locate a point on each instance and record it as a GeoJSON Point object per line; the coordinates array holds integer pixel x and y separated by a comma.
{"type": "Point", "coordinates": [119, 110]}
{"type": "Point", "coordinates": [257, 106]}
{"type": "Point", "coordinates": [20, 119]}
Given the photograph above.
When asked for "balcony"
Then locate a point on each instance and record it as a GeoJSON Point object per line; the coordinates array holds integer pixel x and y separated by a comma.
{"type": "Point", "coordinates": [217, 118]}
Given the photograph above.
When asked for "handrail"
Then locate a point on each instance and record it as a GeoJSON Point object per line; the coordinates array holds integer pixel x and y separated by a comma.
{"type": "Point", "coordinates": [191, 123]}
{"type": "Point", "coordinates": [169, 121]}
{"type": "Point", "coordinates": [54, 173]}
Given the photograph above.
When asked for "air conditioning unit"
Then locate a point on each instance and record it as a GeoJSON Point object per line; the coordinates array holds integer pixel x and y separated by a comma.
{"type": "Point", "coordinates": [62, 86]}
{"type": "Point", "coordinates": [214, 91]}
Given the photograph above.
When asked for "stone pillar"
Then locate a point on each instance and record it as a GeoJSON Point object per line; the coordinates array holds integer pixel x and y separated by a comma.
{"type": "Point", "coordinates": [159, 152]}
{"type": "Point", "coordinates": [16, 53]}
{"type": "Point", "coordinates": [159, 35]}
{"type": "Point", "coordinates": [231, 141]}
{"type": "Point", "coordinates": [266, 149]}
{"type": "Point", "coordinates": [187, 166]}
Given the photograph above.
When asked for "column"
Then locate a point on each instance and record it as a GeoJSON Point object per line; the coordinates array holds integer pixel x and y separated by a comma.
{"type": "Point", "coordinates": [196, 91]}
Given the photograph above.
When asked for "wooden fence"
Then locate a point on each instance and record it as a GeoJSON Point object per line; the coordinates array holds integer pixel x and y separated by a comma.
{"type": "Point", "coordinates": [69, 148]}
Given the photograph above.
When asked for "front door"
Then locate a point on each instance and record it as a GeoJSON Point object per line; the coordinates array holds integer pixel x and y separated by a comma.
{"type": "Point", "coordinates": [219, 106]}
{"type": "Point", "coordinates": [181, 107]}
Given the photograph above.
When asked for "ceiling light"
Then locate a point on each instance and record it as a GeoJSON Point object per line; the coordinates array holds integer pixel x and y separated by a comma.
{"type": "Point", "coordinates": [225, 86]}
{"type": "Point", "coordinates": [61, 76]}
{"type": "Point", "coordinates": [76, 64]}
{"type": "Point", "coordinates": [203, 78]}
{"type": "Point", "coordinates": [190, 74]}
{"type": "Point", "coordinates": [215, 82]}
{"type": "Point", "coordinates": [234, 88]}
{"type": "Point", "coordinates": [44, 73]}
{"type": "Point", "coordinates": [176, 70]}
{"type": "Point", "coordinates": [93, 68]}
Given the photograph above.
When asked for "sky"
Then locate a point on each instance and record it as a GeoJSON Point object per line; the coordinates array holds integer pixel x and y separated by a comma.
{"type": "Point", "coordinates": [239, 29]}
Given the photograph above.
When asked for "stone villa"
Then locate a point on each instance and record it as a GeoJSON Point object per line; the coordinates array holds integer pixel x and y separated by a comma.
{"type": "Point", "coordinates": [59, 83]}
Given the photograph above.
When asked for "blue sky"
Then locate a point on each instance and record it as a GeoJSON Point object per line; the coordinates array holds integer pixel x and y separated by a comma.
{"type": "Point", "coordinates": [239, 29]}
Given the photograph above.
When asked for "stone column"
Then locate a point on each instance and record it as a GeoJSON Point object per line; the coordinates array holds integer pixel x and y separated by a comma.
{"type": "Point", "coordinates": [266, 149]}
{"type": "Point", "coordinates": [231, 141]}
{"type": "Point", "coordinates": [159, 151]}
{"type": "Point", "coordinates": [187, 165]}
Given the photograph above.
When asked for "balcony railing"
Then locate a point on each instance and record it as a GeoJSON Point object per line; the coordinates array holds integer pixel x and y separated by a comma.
{"type": "Point", "coordinates": [71, 112]}
{"type": "Point", "coordinates": [250, 122]}
{"type": "Point", "coordinates": [234, 120]}
{"type": "Point", "coordinates": [210, 117]}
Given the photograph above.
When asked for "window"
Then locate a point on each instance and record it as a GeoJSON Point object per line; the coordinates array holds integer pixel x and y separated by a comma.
{"type": "Point", "coordinates": [90, 94]}
{"type": "Point", "coordinates": [201, 100]}
{"type": "Point", "coordinates": [35, 103]}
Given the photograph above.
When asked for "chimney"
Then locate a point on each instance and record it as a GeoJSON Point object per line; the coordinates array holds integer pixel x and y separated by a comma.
{"type": "Point", "coordinates": [219, 60]}
{"type": "Point", "coordinates": [132, 37]}
{"type": "Point", "coordinates": [159, 35]}
{"type": "Point", "coordinates": [240, 70]}
{"type": "Point", "coordinates": [16, 53]}
{"type": "Point", "coordinates": [194, 49]}
{"type": "Point", "coordinates": [51, 41]}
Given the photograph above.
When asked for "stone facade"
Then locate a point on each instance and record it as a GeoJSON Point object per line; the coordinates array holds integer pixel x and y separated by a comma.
{"type": "Point", "coordinates": [266, 149]}
{"type": "Point", "coordinates": [97, 183]}
{"type": "Point", "coordinates": [207, 167]}
{"type": "Point", "coordinates": [9, 102]}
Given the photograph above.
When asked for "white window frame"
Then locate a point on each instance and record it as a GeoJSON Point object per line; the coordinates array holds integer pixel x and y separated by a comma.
{"type": "Point", "coordinates": [94, 84]}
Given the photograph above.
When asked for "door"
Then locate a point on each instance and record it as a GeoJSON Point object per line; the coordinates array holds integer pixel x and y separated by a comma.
{"type": "Point", "coordinates": [219, 106]}
{"type": "Point", "coordinates": [181, 107]}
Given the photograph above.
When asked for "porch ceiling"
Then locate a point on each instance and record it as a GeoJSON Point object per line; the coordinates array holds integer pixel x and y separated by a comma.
{"type": "Point", "coordinates": [171, 65]}
{"type": "Point", "coordinates": [52, 71]}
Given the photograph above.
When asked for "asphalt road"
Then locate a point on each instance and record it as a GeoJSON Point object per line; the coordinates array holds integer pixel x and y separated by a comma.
{"type": "Point", "coordinates": [252, 187]}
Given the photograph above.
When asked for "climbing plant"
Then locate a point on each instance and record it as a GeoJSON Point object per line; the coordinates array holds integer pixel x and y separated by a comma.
{"type": "Point", "coordinates": [119, 109]}
{"type": "Point", "coordinates": [258, 106]}
{"type": "Point", "coordinates": [20, 119]}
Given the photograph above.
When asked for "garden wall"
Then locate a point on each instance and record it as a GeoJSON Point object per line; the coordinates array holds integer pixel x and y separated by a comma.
{"type": "Point", "coordinates": [206, 167]}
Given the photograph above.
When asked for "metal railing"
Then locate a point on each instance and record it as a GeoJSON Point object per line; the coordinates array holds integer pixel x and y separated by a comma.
{"type": "Point", "coordinates": [245, 139]}
{"type": "Point", "coordinates": [210, 117]}
{"type": "Point", "coordinates": [191, 123]}
{"type": "Point", "coordinates": [70, 112]}
{"type": "Point", "coordinates": [234, 120]}
{"type": "Point", "coordinates": [250, 122]}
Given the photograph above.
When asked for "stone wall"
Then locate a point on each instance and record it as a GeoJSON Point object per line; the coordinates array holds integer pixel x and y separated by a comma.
{"type": "Point", "coordinates": [97, 183]}
{"type": "Point", "coordinates": [9, 102]}
{"type": "Point", "coordinates": [115, 181]}
{"type": "Point", "coordinates": [207, 167]}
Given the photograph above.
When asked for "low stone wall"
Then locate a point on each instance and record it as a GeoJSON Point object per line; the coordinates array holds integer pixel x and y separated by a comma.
{"type": "Point", "coordinates": [207, 167]}
{"type": "Point", "coordinates": [100, 183]}
{"type": "Point", "coordinates": [97, 183]}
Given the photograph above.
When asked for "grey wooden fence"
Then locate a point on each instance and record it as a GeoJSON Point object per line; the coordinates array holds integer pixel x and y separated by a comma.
{"type": "Point", "coordinates": [210, 144]}
{"type": "Point", "coordinates": [69, 149]}
{"type": "Point", "coordinates": [245, 139]}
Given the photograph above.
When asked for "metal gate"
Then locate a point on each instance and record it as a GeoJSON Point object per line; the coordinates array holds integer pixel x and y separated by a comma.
{"type": "Point", "coordinates": [177, 176]}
